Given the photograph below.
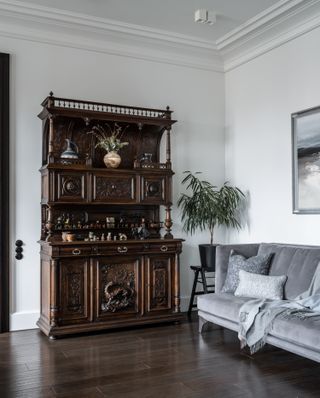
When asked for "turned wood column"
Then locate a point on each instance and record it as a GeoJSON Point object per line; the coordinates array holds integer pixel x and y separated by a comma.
{"type": "Point", "coordinates": [54, 293]}
{"type": "Point", "coordinates": [168, 147]}
{"type": "Point", "coordinates": [168, 223]}
{"type": "Point", "coordinates": [50, 147]}
{"type": "Point", "coordinates": [176, 298]}
{"type": "Point", "coordinates": [49, 224]}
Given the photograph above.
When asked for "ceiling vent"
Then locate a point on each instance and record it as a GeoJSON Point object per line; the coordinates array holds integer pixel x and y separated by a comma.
{"type": "Point", "coordinates": [205, 16]}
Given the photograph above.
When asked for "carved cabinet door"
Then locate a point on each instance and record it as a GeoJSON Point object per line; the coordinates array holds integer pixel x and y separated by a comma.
{"type": "Point", "coordinates": [117, 282]}
{"type": "Point", "coordinates": [74, 291]}
{"type": "Point", "coordinates": [113, 189]}
{"type": "Point", "coordinates": [158, 277]}
{"type": "Point", "coordinates": [70, 187]}
{"type": "Point", "coordinates": [153, 189]}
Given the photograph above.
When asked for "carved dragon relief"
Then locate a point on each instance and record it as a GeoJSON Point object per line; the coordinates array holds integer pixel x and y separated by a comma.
{"type": "Point", "coordinates": [118, 283]}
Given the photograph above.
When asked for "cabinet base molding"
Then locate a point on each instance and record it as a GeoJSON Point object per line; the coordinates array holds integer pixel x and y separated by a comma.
{"type": "Point", "coordinates": [100, 326]}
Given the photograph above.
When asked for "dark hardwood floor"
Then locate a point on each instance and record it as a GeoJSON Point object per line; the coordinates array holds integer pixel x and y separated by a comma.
{"type": "Point", "coordinates": [160, 361]}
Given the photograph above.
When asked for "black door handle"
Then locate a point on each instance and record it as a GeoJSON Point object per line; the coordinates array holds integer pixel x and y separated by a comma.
{"type": "Point", "coordinates": [19, 249]}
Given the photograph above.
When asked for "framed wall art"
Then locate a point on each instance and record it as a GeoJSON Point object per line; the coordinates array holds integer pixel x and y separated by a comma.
{"type": "Point", "coordinates": [306, 161]}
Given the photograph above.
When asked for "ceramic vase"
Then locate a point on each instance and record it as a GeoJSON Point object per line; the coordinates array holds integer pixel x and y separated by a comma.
{"type": "Point", "coordinates": [112, 160]}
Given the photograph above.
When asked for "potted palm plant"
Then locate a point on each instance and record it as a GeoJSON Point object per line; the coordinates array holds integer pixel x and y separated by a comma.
{"type": "Point", "coordinates": [206, 207]}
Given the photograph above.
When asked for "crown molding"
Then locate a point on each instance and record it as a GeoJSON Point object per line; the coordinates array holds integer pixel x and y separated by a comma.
{"type": "Point", "coordinates": [64, 28]}
{"type": "Point", "coordinates": [284, 21]}
{"type": "Point", "coordinates": [277, 25]}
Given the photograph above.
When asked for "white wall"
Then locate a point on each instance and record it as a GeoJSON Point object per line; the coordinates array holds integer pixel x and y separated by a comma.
{"type": "Point", "coordinates": [260, 96]}
{"type": "Point", "coordinates": [196, 96]}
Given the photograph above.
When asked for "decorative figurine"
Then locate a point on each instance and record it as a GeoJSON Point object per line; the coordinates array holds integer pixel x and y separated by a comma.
{"type": "Point", "coordinates": [59, 223]}
{"type": "Point", "coordinates": [122, 236]}
{"type": "Point", "coordinates": [67, 223]}
{"type": "Point", "coordinates": [146, 158]}
{"type": "Point", "coordinates": [135, 233]}
{"type": "Point", "coordinates": [110, 222]}
{"type": "Point", "coordinates": [109, 237]}
{"type": "Point", "coordinates": [143, 231]}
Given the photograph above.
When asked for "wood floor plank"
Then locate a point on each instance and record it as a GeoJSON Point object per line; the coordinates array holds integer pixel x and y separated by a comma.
{"type": "Point", "coordinates": [159, 361]}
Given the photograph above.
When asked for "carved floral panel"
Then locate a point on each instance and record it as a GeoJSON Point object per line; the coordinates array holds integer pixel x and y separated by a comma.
{"type": "Point", "coordinates": [113, 188]}
{"type": "Point", "coordinates": [73, 289]}
{"type": "Point", "coordinates": [159, 285]}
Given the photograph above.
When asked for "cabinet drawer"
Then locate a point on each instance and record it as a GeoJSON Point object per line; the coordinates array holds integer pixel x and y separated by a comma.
{"type": "Point", "coordinates": [160, 248]}
{"type": "Point", "coordinates": [74, 251]}
{"type": "Point", "coordinates": [118, 189]}
{"type": "Point", "coordinates": [120, 248]}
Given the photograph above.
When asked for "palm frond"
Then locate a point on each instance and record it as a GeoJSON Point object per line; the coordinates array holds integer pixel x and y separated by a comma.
{"type": "Point", "coordinates": [207, 206]}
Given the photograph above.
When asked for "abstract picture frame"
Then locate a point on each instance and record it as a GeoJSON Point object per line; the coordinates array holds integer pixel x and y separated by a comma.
{"type": "Point", "coordinates": [305, 126]}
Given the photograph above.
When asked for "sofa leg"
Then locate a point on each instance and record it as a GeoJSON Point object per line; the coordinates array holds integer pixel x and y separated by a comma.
{"type": "Point", "coordinates": [202, 323]}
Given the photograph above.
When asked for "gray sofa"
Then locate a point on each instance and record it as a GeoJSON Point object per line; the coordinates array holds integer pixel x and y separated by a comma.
{"type": "Point", "coordinates": [298, 262]}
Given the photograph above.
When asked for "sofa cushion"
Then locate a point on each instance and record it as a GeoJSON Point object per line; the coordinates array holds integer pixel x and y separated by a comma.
{"type": "Point", "coordinates": [297, 262]}
{"type": "Point", "coordinates": [260, 286]}
{"type": "Point", "coordinates": [304, 332]}
{"type": "Point", "coordinates": [237, 262]}
{"type": "Point", "coordinates": [224, 305]}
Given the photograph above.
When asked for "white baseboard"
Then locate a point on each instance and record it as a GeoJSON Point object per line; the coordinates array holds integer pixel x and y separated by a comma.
{"type": "Point", "coordinates": [184, 303]}
{"type": "Point", "coordinates": [28, 320]}
{"type": "Point", "coordinates": [23, 320]}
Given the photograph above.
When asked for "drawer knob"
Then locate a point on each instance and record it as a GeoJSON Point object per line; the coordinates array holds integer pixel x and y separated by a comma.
{"type": "Point", "coordinates": [76, 252]}
{"type": "Point", "coordinates": [164, 248]}
{"type": "Point", "coordinates": [122, 249]}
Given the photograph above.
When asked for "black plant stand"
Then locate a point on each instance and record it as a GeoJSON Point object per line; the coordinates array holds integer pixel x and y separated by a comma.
{"type": "Point", "coordinates": [200, 277]}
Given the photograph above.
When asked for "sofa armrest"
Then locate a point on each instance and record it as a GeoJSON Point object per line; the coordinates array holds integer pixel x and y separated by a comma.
{"type": "Point", "coordinates": [222, 259]}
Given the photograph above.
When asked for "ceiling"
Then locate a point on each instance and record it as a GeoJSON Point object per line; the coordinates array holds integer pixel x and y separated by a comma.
{"type": "Point", "coordinates": [175, 16]}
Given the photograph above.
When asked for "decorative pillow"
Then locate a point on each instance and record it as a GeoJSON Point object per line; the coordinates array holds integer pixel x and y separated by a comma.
{"type": "Point", "coordinates": [256, 264]}
{"type": "Point", "coordinates": [260, 286]}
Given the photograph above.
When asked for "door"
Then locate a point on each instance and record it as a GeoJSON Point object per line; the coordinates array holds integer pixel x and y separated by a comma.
{"type": "Point", "coordinates": [158, 271]}
{"type": "Point", "coordinates": [4, 193]}
{"type": "Point", "coordinates": [118, 292]}
{"type": "Point", "coordinates": [74, 291]}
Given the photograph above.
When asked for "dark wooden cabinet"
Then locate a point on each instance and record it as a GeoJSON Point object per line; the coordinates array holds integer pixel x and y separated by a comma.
{"type": "Point", "coordinates": [95, 281]}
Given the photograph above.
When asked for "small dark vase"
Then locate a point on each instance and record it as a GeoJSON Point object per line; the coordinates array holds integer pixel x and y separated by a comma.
{"type": "Point", "coordinates": [208, 256]}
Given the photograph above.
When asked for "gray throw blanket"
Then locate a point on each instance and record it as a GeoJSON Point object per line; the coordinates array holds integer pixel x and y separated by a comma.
{"type": "Point", "coordinates": [257, 315]}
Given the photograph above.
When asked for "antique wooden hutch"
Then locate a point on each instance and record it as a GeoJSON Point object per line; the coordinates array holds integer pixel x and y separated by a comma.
{"type": "Point", "coordinates": [96, 281]}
